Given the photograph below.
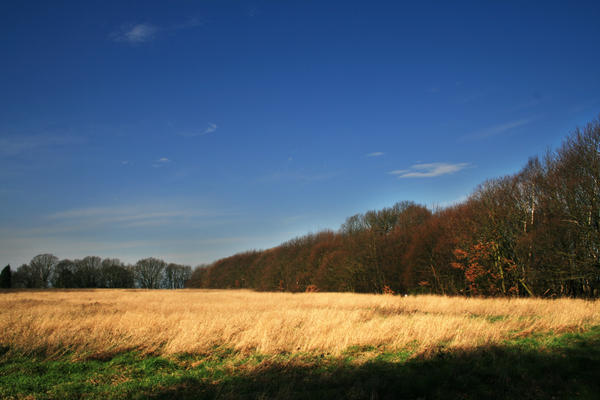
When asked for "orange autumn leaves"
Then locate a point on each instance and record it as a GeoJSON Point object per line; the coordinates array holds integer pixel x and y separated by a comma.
{"type": "Point", "coordinates": [486, 271]}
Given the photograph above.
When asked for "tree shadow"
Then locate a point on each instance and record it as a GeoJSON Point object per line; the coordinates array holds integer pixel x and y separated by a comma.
{"type": "Point", "coordinates": [499, 372]}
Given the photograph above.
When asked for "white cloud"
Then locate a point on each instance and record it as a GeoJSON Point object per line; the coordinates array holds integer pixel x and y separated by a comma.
{"type": "Point", "coordinates": [161, 162]}
{"type": "Point", "coordinates": [398, 171]}
{"type": "Point", "coordinates": [135, 34]}
{"type": "Point", "coordinates": [375, 154]}
{"type": "Point", "coordinates": [429, 170]}
{"type": "Point", "coordinates": [210, 129]}
{"type": "Point", "coordinates": [141, 33]}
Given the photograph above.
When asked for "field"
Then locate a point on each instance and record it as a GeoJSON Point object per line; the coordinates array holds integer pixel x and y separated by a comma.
{"type": "Point", "coordinates": [243, 344]}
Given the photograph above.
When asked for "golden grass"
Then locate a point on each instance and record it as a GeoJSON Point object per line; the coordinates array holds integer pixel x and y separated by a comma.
{"type": "Point", "coordinates": [105, 322]}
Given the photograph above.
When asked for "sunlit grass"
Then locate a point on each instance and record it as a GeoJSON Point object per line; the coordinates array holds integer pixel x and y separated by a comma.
{"type": "Point", "coordinates": [102, 323]}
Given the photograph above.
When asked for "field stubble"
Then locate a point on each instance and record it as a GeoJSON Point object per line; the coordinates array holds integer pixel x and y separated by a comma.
{"type": "Point", "coordinates": [102, 323]}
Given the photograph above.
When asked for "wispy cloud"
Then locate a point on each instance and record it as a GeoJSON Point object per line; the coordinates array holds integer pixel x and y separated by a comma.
{"type": "Point", "coordinates": [375, 154]}
{"type": "Point", "coordinates": [465, 98]}
{"type": "Point", "coordinates": [190, 23]}
{"type": "Point", "coordinates": [112, 214]}
{"type": "Point", "coordinates": [253, 11]}
{"type": "Point", "coordinates": [500, 128]}
{"type": "Point", "coordinates": [210, 129]}
{"type": "Point", "coordinates": [429, 170]}
{"type": "Point", "coordinates": [15, 145]}
{"type": "Point", "coordinates": [535, 100]}
{"type": "Point", "coordinates": [297, 176]}
{"type": "Point", "coordinates": [112, 223]}
{"type": "Point", "coordinates": [161, 162]}
{"type": "Point", "coordinates": [122, 216]}
{"type": "Point", "coordinates": [135, 34]}
{"type": "Point", "coordinates": [145, 32]}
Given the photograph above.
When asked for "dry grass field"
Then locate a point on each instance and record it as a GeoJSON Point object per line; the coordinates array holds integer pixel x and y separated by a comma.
{"type": "Point", "coordinates": [103, 323]}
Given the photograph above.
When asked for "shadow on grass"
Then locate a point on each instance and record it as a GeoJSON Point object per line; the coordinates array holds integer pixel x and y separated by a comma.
{"type": "Point", "coordinates": [511, 372]}
{"type": "Point", "coordinates": [536, 367]}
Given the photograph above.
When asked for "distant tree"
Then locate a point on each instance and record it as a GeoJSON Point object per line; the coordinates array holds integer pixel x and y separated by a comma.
{"type": "Point", "coordinates": [114, 274]}
{"type": "Point", "coordinates": [149, 272]}
{"type": "Point", "coordinates": [64, 275]}
{"type": "Point", "coordinates": [353, 225]}
{"type": "Point", "coordinates": [42, 267]}
{"type": "Point", "coordinates": [333, 274]}
{"type": "Point", "coordinates": [5, 278]}
{"type": "Point", "coordinates": [176, 275]}
{"type": "Point", "coordinates": [87, 272]}
{"type": "Point", "coordinates": [24, 277]}
{"type": "Point", "coordinates": [198, 278]}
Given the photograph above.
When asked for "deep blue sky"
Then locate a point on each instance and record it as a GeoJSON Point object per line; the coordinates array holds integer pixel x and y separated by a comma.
{"type": "Point", "coordinates": [193, 130]}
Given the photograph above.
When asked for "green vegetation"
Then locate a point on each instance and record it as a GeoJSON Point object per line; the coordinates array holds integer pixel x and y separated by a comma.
{"type": "Point", "coordinates": [540, 366]}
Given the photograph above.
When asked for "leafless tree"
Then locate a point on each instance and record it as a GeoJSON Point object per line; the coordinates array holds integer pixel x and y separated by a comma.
{"type": "Point", "coordinates": [149, 272]}
{"type": "Point", "coordinates": [42, 267]}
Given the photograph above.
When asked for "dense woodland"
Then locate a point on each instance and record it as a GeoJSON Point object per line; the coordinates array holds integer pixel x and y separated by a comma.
{"type": "Point", "coordinates": [535, 233]}
{"type": "Point", "coordinates": [46, 270]}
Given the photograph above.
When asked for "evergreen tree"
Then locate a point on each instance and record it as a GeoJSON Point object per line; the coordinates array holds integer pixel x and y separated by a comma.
{"type": "Point", "coordinates": [5, 278]}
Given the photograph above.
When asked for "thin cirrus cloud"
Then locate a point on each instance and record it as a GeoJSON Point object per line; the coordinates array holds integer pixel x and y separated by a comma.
{"type": "Point", "coordinates": [208, 130]}
{"type": "Point", "coordinates": [297, 176]}
{"type": "Point", "coordinates": [500, 128]}
{"type": "Point", "coordinates": [16, 145]}
{"type": "Point", "coordinates": [429, 170]}
{"type": "Point", "coordinates": [135, 34]}
{"type": "Point", "coordinates": [126, 216]}
{"type": "Point", "coordinates": [141, 33]}
{"type": "Point", "coordinates": [161, 162]}
{"type": "Point", "coordinates": [375, 154]}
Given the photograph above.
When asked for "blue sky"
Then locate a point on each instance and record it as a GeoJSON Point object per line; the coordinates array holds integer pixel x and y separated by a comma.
{"type": "Point", "coordinates": [193, 130]}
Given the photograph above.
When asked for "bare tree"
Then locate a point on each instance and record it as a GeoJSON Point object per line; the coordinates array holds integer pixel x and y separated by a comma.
{"type": "Point", "coordinates": [113, 274]}
{"type": "Point", "coordinates": [64, 274]}
{"type": "Point", "coordinates": [87, 272]}
{"type": "Point", "coordinates": [149, 272]}
{"type": "Point", "coordinates": [42, 267]}
{"type": "Point", "coordinates": [176, 275]}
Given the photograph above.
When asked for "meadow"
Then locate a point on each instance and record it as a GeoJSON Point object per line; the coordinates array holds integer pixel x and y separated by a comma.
{"type": "Point", "coordinates": [243, 344]}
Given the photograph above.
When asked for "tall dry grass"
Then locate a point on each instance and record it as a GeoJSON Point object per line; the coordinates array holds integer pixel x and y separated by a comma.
{"type": "Point", "coordinates": [106, 322]}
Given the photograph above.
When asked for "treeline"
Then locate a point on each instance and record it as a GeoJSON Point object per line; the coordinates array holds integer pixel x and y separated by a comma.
{"type": "Point", "coordinates": [534, 233]}
{"type": "Point", "coordinates": [46, 270]}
